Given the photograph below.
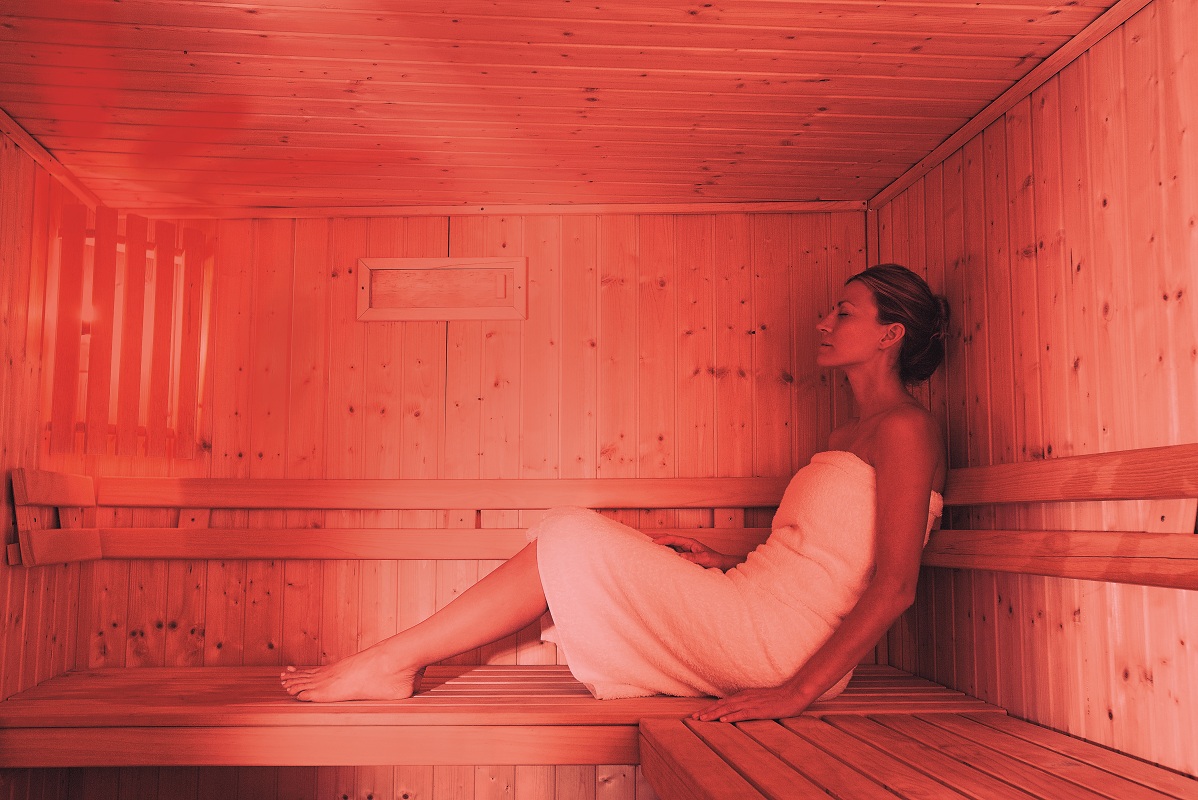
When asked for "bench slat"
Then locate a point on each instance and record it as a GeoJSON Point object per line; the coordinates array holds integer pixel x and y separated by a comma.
{"type": "Point", "coordinates": [826, 771]}
{"type": "Point", "coordinates": [294, 746]}
{"type": "Point", "coordinates": [667, 745]}
{"type": "Point", "coordinates": [1162, 780]}
{"type": "Point", "coordinates": [1151, 559]}
{"type": "Point", "coordinates": [1082, 774]}
{"type": "Point", "coordinates": [943, 768]}
{"type": "Point", "coordinates": [1036, 782]}
{"type": "Point", "coordinates": [423, 494]}
{"type": "Point", "coordinates": [877, 765]}
{"type": "Point", "coordinates": [1153, 473]}
{"type": "Point", "coordinates": [768, 774]}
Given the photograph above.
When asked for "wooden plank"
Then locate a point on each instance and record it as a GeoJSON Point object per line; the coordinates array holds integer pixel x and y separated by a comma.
{"type": "Point", "coordinates": [21, 138]}
{"type": "Point", "coordinates": [943, 767]}
{"type": "Point", "coordinates": [345, 434]}
{"type": "Point", "coordinates": [354, 745]}
{"type": "Point", "coordinates": [1115, 16]}
{"type": "Point", "coordinates": [580, 278]}
{"type": "Point", "coordinates": [680, 765]}
{"type": "Point", "coordinates": [196, 266]}
{"type": "Point", "coordinates": [1108, 784]}
{"type": "Point", "coordinates": [162, 341]}
{"type": "Point", "coordinates": [1133, 769]}
{"type": "Point", "coordinates": [503, 377]}
{"type": "Point", "coordinates": [655, 421]}
{"type": "Point", "coordinates": [69, 330]}
{"type": "Point", "coordinates": [881, 767]}
{"type": "Point", "coordinates": [827, 772]}
{"type": "Point", "coordinates": [773, 347]}
{"type": "Point", "coordinates": [103, 300]}
{"type": "Point", "coordinates": [619, 396]}
{"type": "Point", "coordinates": [695, 351]}
{"type": "Point", "coordinates": [1154, 559]}
{"type": "Point", "coordinates": [1146, 473]}
{"type": "Point", "coordinates": [1032, 779]}
{"type": "Point", "coordinates": [132, 325]}
{"type": "Point", "coordinates": [270, 330]}
{"type": "Point", "coordinates": [57, 546]}
{"type": "Point", "coordinates": [35, 487]}
{"type": "Point", "coordinates": [377, 493]}
{"type": "Point", "coordinates": [766, 772]}
{"type": "Point", "coordinates": [734, 432]}
{"type": "Point", "coordinates": [542, 386]}
{"type": "Point", "coordinates": [305, 446]}
{"type": "Point", "coordinates": [566, 210]}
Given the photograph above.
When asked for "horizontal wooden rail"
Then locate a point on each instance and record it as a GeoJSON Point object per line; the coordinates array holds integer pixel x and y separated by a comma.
{"type": "Point", "coordinates": [56, 546]}
{"type": "Point", "coordinates": [424, 494]}
{"type": "Point", "coordinates": [1148, 559]}
{"type": "Point", "coordinates": [1152, 473]}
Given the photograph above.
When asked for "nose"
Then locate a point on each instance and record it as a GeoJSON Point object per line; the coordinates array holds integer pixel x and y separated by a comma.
{"type": "Point", "coordinates": [824, 325]}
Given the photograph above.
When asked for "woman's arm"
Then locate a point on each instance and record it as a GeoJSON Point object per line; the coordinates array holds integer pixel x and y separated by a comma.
{"type": "Point", "coordinates": [696, 552]}
{"type": "Point", "coordinates": [906, 457]}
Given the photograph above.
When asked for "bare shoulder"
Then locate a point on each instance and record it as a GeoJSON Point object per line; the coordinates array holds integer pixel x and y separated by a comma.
{"type": "Point", "coordinates": [909, 435]}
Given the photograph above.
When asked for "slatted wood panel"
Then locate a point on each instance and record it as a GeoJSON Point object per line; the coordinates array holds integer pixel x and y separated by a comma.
{"type": "Point", "coordinates": [336, 398]}
{"type": "Point", "coordinates": [37, 636]}
{"type": "Point", "coordinates": [888, 755]}
{"type": "Point", "coordinates": [169, 104]}
{"type": "Point", "coordinates": [1069, 187]}
{"type": "Point", "coordinates": [512, 713]}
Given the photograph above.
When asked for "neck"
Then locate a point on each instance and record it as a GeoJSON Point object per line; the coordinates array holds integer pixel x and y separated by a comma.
{"type": "Point", "coordinates": [876, 390]}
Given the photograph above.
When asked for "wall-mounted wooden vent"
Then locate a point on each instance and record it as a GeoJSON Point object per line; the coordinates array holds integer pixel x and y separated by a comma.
{"type": "Point", "coordinates": [442, 288]}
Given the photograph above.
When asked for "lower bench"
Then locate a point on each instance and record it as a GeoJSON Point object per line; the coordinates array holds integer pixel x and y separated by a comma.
{"type": "Point", "coordinates": [889, 755]}
{"type": "Point", "coordinates": [214, 716]}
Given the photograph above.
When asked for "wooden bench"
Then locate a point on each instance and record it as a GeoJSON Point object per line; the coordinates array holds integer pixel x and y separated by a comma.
{"type": "Point", "coordinates": [505, 714]}
{"type": "Point", "coordinates": [895, 753]}
{"type": "Point", "coordinates": [241, 715]}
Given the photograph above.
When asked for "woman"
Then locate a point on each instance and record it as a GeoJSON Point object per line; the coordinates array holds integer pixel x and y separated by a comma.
{"type": "Point", "coordinates": [769, 635]}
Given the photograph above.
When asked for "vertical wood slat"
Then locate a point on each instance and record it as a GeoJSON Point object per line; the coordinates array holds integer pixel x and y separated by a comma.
{"type": "Point", "coordinates": [103, 305]}
{"type": "Point", "coordinates": [129, 379]}
{"type": "Point", "coordinates": [501, 450]}
{"type": "Point", "coordinates": [69, 331]}
{"type": "Point", "coordinates": [195, 264]}
{"type": "Point", "coordinates": [159, 388]}
{"type": "Point", "coordinates": [305, 449]}
{"type": "Point", "coordinates": [542, 368]}
{"type": "Point", "coordinates": [733, 346]}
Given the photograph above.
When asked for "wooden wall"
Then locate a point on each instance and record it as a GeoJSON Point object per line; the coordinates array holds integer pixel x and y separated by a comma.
{"type": "Point", "coordinates": [37, 637]}
{"type": "Point", "coordinates": [1064, 236]}
{"type": "Point", "coordinates": [656, 345]}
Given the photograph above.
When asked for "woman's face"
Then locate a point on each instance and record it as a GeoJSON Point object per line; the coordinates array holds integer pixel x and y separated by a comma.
{"type": "Point", "coordinates": [851, 334]}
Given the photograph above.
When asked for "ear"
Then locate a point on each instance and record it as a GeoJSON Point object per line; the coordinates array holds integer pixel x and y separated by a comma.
{"type": "Point", "coordinates": [895, 332]}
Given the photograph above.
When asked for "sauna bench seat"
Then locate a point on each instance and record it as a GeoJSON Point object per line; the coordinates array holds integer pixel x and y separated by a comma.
{"type": "Point", "coordinates": [883, 756]}
{"type": "Point", "coordinates": [222, 716]}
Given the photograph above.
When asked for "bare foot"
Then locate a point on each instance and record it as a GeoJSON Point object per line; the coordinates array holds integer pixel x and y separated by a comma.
{"type": "Point", "coordinates": [363, 676]}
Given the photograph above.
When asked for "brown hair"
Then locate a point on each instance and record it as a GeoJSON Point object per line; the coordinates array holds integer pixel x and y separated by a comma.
{"type": "Point", "coordinates": [904, 297]}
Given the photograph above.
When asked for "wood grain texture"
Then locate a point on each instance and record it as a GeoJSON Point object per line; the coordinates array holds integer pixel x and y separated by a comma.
{"type": "Point", "coordinates": [1084, 188]}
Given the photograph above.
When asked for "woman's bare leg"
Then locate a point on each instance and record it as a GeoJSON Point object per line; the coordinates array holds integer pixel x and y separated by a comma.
{"type": "Point", "coordinates": [505, 601]}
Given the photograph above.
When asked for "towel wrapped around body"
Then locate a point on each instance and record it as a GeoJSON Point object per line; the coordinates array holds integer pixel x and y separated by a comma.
{"type": "Point", "coordinates": [633, 618]}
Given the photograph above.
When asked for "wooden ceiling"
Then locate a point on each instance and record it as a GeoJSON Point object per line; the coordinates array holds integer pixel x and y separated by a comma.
{"type": "Point", "coordinates": [191, 106]}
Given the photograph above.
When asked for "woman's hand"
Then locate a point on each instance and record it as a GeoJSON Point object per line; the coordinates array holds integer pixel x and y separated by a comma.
{"type": "Point", "coordinates": [697, 552]}
{"type": "Point", "coordinates": [777, 703]}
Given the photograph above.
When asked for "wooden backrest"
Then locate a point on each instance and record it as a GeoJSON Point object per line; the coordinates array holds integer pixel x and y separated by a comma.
{"type": "Point", "coordinates": [1124, 556]}
{"type": "Point", "coordinates": [1151, 559]}
{"type": "Point", "coordinates": [1151, 473]}
{"type": "Point", "coordinates": [42, 543]}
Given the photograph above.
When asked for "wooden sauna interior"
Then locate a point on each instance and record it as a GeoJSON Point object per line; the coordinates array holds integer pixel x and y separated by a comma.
{"type": "Point", "coordinates": [690, 184]}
